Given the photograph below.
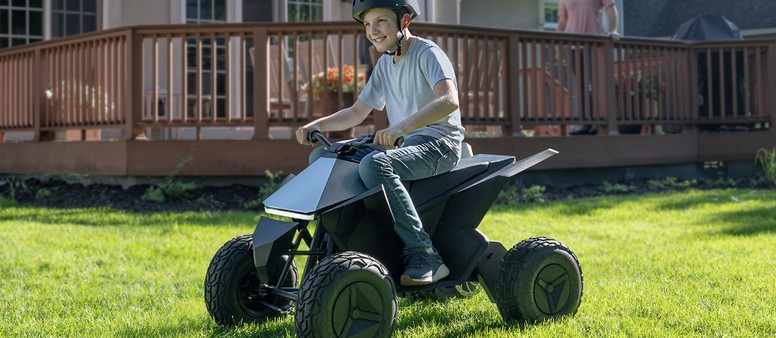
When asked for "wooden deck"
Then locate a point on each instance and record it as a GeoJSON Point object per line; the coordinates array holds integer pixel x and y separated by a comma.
{"type": "Point", "coordinates": [136, 101]}
{"type": "Point", "coordinates": [252, 157]}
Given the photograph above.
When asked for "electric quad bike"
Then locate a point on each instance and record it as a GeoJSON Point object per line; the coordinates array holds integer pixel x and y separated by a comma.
{"type": "Point", "coordinates": [353, 258]}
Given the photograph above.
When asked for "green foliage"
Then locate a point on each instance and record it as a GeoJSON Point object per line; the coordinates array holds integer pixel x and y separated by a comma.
{"type": "Point", "coordinates": [172, 188]}
{"type": "Point", "coordinates": [268, 188]}
{"type": "Point", "coordinates": [15, 187]}
{"type": "Point", "coordinates": [154, 194]}
{"type": "Point", "coordinates": [723, 182]}
{"type": "Point", "coordinates": [4, 203]}
{"type": "Point", "coordinates": [616, 188]}
{"type": "Point", "coordinates": [533, 194]}
{"type": "Point", "coordinates": [669, 183]}
{"type": "Point", "coordinates": [176, 190]}
{"type": "Point", "coordinates": [42, 194]}
{"type": "Point", "coordinates": [510, 194]}
{"type": "Point", "coordinates": [767, 160]}
{"type": "Point", "coordinates": [209, 200]}
{"type": "Point", "coordinates": [513, 193]}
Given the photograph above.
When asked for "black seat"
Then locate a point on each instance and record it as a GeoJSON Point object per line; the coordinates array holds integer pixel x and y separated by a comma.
{"type": "Point", "coordinates": [423, 190]}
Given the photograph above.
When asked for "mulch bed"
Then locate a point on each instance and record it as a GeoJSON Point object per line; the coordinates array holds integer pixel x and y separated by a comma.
{"type": "Point", "coordinates": [59, 194]}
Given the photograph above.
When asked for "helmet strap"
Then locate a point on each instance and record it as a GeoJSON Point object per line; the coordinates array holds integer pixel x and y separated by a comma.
{"type": "Point", "coordinates": [399, 15]}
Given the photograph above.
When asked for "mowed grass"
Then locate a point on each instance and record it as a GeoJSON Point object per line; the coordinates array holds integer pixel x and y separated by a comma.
{"type": "Point", "coordinates": [692, 263]}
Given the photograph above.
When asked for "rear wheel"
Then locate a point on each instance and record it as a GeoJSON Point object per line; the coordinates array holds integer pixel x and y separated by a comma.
{"type": "Point", "coordinates": [233, 291]}
{"type": "Point", "coordinates": [347, 294]}
{"type": "Point", "coordinates": [539, 278]}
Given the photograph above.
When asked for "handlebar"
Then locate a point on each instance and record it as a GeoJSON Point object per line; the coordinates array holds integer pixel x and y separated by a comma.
{"type": "Point", "coordinates": [366, 141]}
{"type": "Point", "coordinates": [316, 136]}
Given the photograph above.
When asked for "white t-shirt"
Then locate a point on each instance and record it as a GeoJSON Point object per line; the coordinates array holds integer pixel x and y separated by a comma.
{"type": "Point", "coordinates": [408, 85]}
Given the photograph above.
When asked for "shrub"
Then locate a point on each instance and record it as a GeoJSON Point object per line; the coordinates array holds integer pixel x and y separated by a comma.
{"type": "Point", "coordinates": [15, 188]}
{"type": "Point", "coordinates": [534, 194]}
{"type": "Point", "coordinates": [517, 193]}
{"type": "Point", "coordinates": [616, 188]}
{"type": "Point", "coordinates": [172, 188]}
{"type": "Point", "coordinates": [767, 160]}
{"type": "Point", "coordinates": [42, 194]}
{"type": "Point", "coordinates": [669, 183]}
{"type": "Point", "coordinates": [266, 189]}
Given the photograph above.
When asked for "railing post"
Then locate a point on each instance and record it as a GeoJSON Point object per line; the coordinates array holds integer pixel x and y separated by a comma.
{"type": "Point", "coordinates": [261, 84]}
{"type": "Point", "coordinates": [609, 104]}
{"type": "Point", "coordinates": [134, 88]}
{"type": "Point", "coordinates": [694, 104]}
{"type": "Point", "coordinates": [513, 87]}
{"type": "Point", "coordinates": [37, 95]}
{"type": "Point", "coordinates": [771, 57]}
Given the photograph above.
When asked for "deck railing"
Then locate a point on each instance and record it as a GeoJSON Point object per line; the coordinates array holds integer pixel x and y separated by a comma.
{"type": "Point", "coordinates": [138, 79]}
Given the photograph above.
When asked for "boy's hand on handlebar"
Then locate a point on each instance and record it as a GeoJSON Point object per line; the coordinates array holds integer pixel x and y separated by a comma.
{"type": "Point", "coordinates": [388, 137]}
{"type": "Point", "coordinates": [303, 133]}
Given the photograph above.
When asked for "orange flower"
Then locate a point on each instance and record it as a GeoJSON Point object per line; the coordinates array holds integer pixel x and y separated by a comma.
{"type": "Point", "coordinates": [330, 81]}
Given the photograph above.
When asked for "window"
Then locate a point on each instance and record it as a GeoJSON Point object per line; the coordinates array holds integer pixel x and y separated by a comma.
{"type": "Point", "coordinates": [70, 17]}
{"type": "Point", "coordinates": [302, 11]}
{"type": "Point", "coordinates": [201, 12]}
{"type": "Point", "coordinates": [205, 11]}
{"type": "Point", "coordinates": [305, 10]}
{"type": "Point", "coordinates": [550, 12]}
{"type": "Point", "coordinates": [21, 22]}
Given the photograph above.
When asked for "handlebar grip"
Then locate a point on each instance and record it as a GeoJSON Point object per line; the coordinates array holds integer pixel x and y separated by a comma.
{"type": "Point", "coordinates": [316, 136]}
{"type": "Point", "coordinates": [399, 142]}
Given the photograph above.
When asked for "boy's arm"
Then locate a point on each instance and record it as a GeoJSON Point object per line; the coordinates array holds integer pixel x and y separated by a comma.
{"type": "Point", "coordinates": [446, 102]}
{"type": "Point", "coordinates": [341, 120]}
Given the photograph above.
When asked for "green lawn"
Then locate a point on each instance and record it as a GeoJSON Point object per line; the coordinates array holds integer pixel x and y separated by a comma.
{"type": "Point", "coordinates": [692, 263]}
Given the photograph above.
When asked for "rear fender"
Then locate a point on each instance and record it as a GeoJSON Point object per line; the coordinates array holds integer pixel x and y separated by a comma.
{"type": "Point", "coordinates": [530, 161]}
{"type": "Point", "coordinates": [272, 238]}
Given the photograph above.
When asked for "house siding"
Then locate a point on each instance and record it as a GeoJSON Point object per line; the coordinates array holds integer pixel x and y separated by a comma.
{"type": "Point", "coordinates": [500, 13]}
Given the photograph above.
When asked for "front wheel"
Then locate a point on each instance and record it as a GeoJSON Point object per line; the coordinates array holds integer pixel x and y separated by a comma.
{"type": "Point", "coordinates": [347, 294]}
{"type": "Point", "coordinates": [233, 291]}
{"type": "Point", "coordinates": [538, 279]}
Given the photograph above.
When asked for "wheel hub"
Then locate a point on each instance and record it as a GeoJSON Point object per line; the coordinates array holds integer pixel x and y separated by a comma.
{"type": "Point", "coordinates": [357, 310]}
{"type": "Point", "coordinates": [551, 290]}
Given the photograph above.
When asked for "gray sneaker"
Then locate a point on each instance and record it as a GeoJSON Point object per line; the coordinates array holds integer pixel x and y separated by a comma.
{"type": "Point", "coordinates": [423, 268]}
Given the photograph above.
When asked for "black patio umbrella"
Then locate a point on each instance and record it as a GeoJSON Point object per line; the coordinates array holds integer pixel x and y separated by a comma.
{"type": "Point", "coordinates": [716, 28]}
{"type": "Point", "coordinates": [707, 28]}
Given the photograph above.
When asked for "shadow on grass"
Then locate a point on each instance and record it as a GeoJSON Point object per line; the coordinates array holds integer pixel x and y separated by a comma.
{"type": "Point", "coordinates": [751, 221]}
{"type": "Point", "coordinates": [747, 223]}
{"type": "Point", "coordinates": [237, 332]}
{"type": "Point", "coordinates": [406, 324]}
{"type": "Point", "coordinates": [476, 319]}
{"type": "Point", "coordinates": [275, 329]}
{"type": "Point", "coordinates": [408, 321]}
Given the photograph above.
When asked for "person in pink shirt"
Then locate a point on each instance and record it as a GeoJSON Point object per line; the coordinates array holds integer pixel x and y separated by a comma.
{"type": "Point", "coordinates": [586, 17]}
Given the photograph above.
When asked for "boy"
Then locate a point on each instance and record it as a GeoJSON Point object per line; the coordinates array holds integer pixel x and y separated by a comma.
{"type": "Point", "coordinates": [415, 81]}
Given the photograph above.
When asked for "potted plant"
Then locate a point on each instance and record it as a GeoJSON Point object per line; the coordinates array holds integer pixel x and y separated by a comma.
{"type": "Point", "coordinates": [643, 93]}
{"type": "Point", "coordinates": [326, 87]}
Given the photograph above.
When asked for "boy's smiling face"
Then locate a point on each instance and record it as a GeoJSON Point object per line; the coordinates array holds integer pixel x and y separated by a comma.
{"type": "Point", "coordinates": [381, 28]}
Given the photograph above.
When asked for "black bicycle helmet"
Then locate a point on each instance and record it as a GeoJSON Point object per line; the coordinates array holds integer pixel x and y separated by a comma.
{"type": "Point", "coordinates": [361, 6]}
{"type": "Point", "coordinates": [398, 6]}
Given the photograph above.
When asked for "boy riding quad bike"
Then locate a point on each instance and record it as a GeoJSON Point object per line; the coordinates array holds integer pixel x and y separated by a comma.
{"type": "Point", "coordinates": [353, 257]}
{"type": "Point", "coordinates": [395, 211]}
